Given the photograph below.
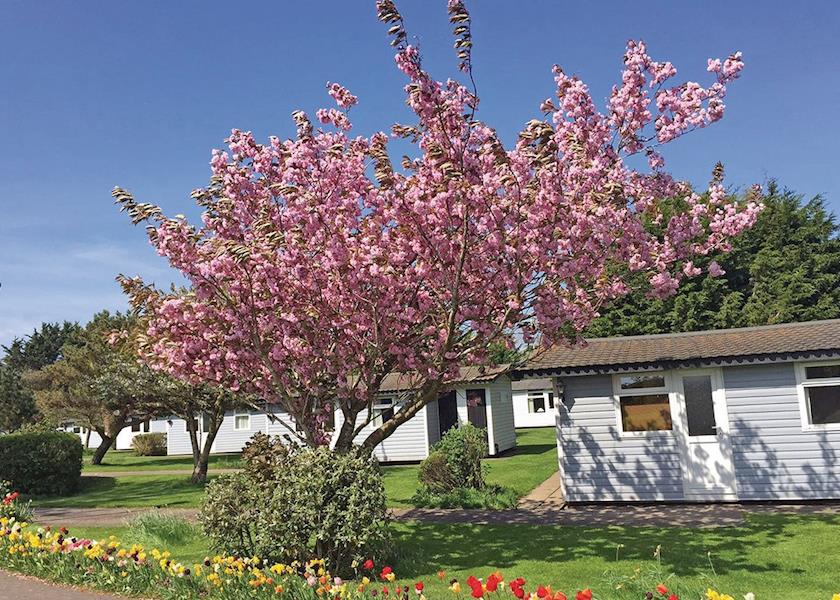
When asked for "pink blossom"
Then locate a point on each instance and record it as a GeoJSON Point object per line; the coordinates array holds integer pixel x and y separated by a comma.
{"type": "Point", "coordinates": [318, 267]}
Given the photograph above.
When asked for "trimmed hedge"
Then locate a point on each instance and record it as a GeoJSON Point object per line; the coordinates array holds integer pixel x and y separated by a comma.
{"type": "Point", "coordinates": [149, 444]}
{"type": "Point", "coordinates": [47, 463]}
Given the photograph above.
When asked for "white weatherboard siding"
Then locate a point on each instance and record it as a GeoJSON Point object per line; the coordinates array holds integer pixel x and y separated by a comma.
{"type": "Point", "coordinates": [774, 458]}
{"type": "Point", "coordinates": [177, 437]}
{"type": "Point", "coordinates": [600, 465]}
{"type": "Point", "coordinates": [407, 443]}
{"type": "Point", "coordinates": [500, 415]}
{"type": "Point", "coordinates": [124, 437]}
{"type": "Point", "coordinates": [524, 418]}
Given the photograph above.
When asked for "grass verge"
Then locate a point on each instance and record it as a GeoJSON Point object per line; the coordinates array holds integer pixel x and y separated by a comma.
{"type": "Point", "coordinates": [790, 557]}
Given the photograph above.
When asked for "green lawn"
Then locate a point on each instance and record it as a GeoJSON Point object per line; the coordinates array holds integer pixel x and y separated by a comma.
{"type": "Point", "coordinates": [784, 557]}
{"type": "Point", "coordinates": [125, 460]}
{"type": "Point", "coordinates": [131, 491]}
{"type": "Point", "coordinates": [532, 461]}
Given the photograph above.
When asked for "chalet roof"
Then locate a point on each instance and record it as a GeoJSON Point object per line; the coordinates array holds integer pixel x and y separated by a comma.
{"type": "Point", "coordinates": [400, 382]}
{"type": "Point", "coordinates": [731, 346]}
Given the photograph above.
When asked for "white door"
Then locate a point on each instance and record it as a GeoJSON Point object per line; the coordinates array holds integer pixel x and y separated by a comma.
{"type": "Point", "coordinates": [703, 425]}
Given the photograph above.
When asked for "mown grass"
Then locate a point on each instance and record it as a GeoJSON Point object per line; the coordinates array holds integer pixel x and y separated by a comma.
{"type": "Point", "coordinates": [130, 491]}
{"type": "Point", "coordinates": [521, 470]}
{"type": "Point", "coordinates": [125, 460]}
{"type": "Point", "coordinates": [529, 464]}
{"type": "Point", "coordinates": [789, 557]}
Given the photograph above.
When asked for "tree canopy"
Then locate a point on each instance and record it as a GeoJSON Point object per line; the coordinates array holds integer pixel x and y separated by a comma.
{"type": "Point", "coordinates": [313, 276]}
{"type": "Point", "coordinates": [785, 268]}
{"type": "Point", "coordinates": [98, 383]}
{"type": "Point", "coordinates": [25, 354]}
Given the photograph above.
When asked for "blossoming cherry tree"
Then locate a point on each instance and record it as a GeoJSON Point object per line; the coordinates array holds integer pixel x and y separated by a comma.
{"type": "Point", "coordinates": [319, 268]}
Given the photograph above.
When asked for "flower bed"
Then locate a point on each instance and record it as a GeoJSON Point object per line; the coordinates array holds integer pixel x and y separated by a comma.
{"type": "Point", "coordinates": [134, 570]}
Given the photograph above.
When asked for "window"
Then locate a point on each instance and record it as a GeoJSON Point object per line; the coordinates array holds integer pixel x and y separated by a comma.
{"type": "Point", "coordinates": [699, 405]}
{"type": "Point", "coordinates": [643, 402]}
{"type": "Point", "coordinates": [140, 426]}
{"type": "Point", "coordinates": [821, 393]}
{"type": "Point", "coordinates": [383, 411]}
{"type": "Point", "coordinates": [538, 401]}
{"type": "Point", "coordinates": [642, 381]}
{"type": "Point", "coordinates": [77, 430]}
{"type": "Point", "coordinates": [241, 422]}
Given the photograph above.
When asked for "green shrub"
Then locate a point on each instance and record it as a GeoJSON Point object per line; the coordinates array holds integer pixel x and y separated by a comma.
{"type": "Point", "coordinates": [229, 511]}
{"type": "Point", "coordinates": [455, 461]}
{"type": "Point", "coordinates": [149, 444]}
{"type": "Point", "coordinates": [494, 497]}
{"type": "Point", "coordinates": [295, 503]}
{"type": "Point", "coordinates": [41, 463]}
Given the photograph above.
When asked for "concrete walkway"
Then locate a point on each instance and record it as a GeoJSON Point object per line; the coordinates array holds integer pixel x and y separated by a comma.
{"type": "Point", "coordinates": [102, 517]}
{"type": "Point", "coordinates": [586, 515]}
{"type": "Point", "coordinates": [14, 587]}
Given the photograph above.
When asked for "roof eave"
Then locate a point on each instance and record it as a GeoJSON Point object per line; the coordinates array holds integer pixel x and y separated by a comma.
{"type": "Point", "coordinates": [717, 361]}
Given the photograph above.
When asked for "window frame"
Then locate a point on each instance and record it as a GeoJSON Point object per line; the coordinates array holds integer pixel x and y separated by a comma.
{"type": "Point", "coordinates": [802, 385]}
{"type": "Point", "coordinates": [380, 405]}
{"type": "Point", "coordinates": [667, 389]}
{"type": "Point", "coordinates": [236, 415]}
{"type": "Point", "coordinates": [548, 399]}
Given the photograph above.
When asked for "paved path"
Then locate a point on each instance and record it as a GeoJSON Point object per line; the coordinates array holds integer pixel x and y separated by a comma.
{"type": "Point", "coordinates": [633, 515]}
{"type": "Point", "coordinates": [18, 587]}
{"type": "Point", "coordinates": [101, 517]}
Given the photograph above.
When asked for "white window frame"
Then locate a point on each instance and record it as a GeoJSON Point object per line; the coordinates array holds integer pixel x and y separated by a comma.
{"type": "Point", "coordinates": [802, 383]}
{"type": "Point", "coordinates": [668, 389]}
{"type": "Point", "coordinates": [379, 405]}
{"type": "Point", "coordinates": [236, 415]}
{"type": "Point", "coordinates": [547, 408]}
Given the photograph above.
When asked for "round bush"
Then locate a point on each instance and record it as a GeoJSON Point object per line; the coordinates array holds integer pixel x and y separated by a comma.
{"type": "Point", "coordinates": [300, 503]}
{"type": "Point", "coordinates": [45, 463]}
{"type": "Point", "coordinates": [455, 461]}
{"type": "Point", "coordinates": [149, 444]}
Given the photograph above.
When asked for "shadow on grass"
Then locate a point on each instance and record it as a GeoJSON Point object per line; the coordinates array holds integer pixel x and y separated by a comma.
{"type": "Point", "coordinates": [130, 492]}
{"type": "Point", "coordinates": [685, 552]}
{"type": "Point", "coordinates": [530, 449]}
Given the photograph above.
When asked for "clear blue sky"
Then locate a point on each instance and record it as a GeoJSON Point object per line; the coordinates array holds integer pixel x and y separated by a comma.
{"type": "Point", "coordinates": [103, 93]}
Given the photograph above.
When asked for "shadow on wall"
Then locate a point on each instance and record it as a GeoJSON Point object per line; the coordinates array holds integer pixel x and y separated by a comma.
{"type": "Point", "coordinates": [798, 465]}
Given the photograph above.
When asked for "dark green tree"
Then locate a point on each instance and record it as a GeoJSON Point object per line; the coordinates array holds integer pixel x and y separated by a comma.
{"type": "Point", "coordinates": [785, 269]}
{"type": "Point", "coordinates": [25, 355]}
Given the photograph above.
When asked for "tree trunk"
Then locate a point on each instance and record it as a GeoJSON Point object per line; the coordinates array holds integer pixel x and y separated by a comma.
{"type": "Point", "coordinates": [201, 462]}
{"type": "Point", "coordinates": [193, 430]}
{"type": "Point", "coordinates": [87, 438]}
{"type": "Point", "coordinates": [426, 394]}
{"type": "Point", "coordinates": [103, 447]}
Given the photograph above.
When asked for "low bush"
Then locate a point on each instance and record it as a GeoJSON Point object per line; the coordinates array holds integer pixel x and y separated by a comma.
{"type": "Point", "coordinates": [294, 503]}
{"type": "Point", "coordinates": [45, 463]}
{"type": "Point", "coordinates": [494, 497]}
{"type": "Point", "coordinates": [455, 460]}
{"type": "Point", "coordinates": [149, 444]}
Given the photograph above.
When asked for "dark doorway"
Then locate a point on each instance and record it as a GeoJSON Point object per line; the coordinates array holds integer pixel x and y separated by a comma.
{"type": "Point", "coordinates": [447, 412]}
{"type": "Point", "coordinates": [477, 407]}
